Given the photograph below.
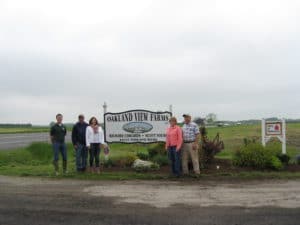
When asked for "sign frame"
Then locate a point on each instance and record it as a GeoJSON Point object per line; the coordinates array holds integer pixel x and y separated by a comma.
{"type": "Point", "coordinates": [128, 111]}
{"type": "Point", "coordinates": [267, 135]}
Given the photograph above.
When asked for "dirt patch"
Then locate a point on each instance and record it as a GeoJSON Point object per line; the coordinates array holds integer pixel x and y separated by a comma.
{"type": "Point", "coordinates": [166, 194]}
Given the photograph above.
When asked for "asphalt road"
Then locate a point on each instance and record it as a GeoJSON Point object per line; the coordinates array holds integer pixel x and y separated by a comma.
{"type": "Point", "coordinates": [29, 201]}
{"type": "Point", "coordinates": [12, 141]}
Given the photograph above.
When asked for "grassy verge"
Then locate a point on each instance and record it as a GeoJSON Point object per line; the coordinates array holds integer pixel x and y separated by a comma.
{"type": "Point", "coordinates": [36, 161]}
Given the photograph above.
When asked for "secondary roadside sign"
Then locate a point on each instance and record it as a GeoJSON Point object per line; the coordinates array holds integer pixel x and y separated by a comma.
{"type": "Point", "coordinates": [136, 126]}
{"type": "Point", "coordinates": [271, 129]}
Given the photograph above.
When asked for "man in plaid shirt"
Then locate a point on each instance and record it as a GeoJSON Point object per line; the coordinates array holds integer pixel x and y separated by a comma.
{"type": "Point", "coordinates": [191, 137]}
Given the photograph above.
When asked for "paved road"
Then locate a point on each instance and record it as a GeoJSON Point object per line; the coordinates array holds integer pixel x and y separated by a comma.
{"type": "Point", "coordinates": [12, 141]}
{"type": "Point", "coordinates": [29, 201]}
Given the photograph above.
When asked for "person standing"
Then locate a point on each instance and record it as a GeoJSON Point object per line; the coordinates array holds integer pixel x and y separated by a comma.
{"type": "Point", "coordinates": [94, 140]}
{"type": "Point", "coordinates": [79, 143]}
{"type": "Point", "coordinates": [190, 147]}
{"type": "Point", "coordinates": [57, 134]}
{"type": "Point", "coordinates": [173, 145]}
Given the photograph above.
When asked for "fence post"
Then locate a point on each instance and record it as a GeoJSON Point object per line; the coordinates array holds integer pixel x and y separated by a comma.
{"type": "Point", "coordinates": [283, 136]}
{"type": "Point", "coordinates": [263, 132]}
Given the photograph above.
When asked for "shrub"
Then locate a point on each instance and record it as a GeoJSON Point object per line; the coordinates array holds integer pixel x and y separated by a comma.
{"type": "Point", "coordinates": [210, 148]}
{"type": "Point", "coordinates": [284, 158]}
{"type": "Point", "coordinates": [142, 156]}
{"type": "Point", "coordinates": [127, 160]}
{"type": "Point", "coordinates": [157, 149]}
{"type": "Point", "coordinates": [256, 156]}
{"type": "Point", "coordinates": [161, 160]}
{"type": "Point", "coordinates": [108, 163]}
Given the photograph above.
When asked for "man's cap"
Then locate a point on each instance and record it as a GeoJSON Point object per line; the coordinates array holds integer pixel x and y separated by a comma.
{"type": "Point", "coordinates": [187, 115]}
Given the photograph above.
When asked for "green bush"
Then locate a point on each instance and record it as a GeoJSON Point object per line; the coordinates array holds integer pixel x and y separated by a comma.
{"type": "Point", "coordinates": [142, 156]}
{"type": "Point", "coordinates": [157, 149]}
{"type": "Point", "coordinates": [161, 160]}
{"type": "Point", "coordinates": [257, 156]}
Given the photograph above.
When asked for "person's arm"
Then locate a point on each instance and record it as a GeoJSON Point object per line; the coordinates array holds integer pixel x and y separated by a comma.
{"type": "Point", "coordinates": [180, 139]}
{"type": "Point", "coordinates": [87, 137]}
{"type": "Point", "coordinates": [74, 136]}
{"type": "Point", "coordinates": [167, 140]}
{"type": "Point", "coordinates": [101, 133]}
{"type": "Point", "coordinates": [197, 139]}
{"type": "Point", "coordinates": [52, 134]}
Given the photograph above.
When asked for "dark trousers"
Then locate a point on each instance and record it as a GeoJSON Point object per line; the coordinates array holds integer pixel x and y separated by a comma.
{"type": "Point", "coordinates": [95, 154]}
{"type": "Point", "coordinates": [81, 157]}
{"type": "Point", "coordinates": [175, 158]}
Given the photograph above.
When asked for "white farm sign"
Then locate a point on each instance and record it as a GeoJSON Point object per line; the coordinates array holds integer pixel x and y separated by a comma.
{"type": "Point", "coordinates": [274, 129]}
{"type": "Point", "coordinates": [136, 126]}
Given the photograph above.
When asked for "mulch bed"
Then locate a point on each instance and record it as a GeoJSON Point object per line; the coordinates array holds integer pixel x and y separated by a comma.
{"type": "Point", "coordinates": [216, 167]}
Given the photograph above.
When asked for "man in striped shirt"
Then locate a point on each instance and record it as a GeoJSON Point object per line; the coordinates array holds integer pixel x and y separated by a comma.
{"type": "Point", "coordinates": [190, 147]}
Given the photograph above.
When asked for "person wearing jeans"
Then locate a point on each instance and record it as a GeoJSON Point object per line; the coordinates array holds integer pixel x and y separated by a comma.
{"type": "Point", "coordinates": [57, 134]}
{"type": "Point", "coordinates": [94, 140]}
{"type": "Point", "coordinates": [79, 143]}
{"type": "Point", "coordinates": [173, 145]}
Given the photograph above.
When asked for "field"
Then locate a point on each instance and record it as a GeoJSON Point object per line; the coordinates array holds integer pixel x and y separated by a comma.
{"type": "Point", "coordinates": [35, 160]}
{"type": "Point", "coordinates": [16, 130]}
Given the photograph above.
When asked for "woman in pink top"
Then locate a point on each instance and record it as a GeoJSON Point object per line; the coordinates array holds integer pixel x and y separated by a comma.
{"type": "Point", "coordinates": [173, 145]}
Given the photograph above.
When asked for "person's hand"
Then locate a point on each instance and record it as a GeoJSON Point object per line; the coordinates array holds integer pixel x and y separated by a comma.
{"type": "Point", "coordinates": [75, 147]}
{"type": "Point", "coordinates": [88, 147]}
{"type": "Point", "coordinates": [195, 146]}
{"type": "Point", "coordinates": [177, 149]}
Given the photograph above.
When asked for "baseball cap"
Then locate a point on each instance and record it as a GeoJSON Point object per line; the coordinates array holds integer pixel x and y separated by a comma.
{"type": "Point", "coordinates": [186, 115]}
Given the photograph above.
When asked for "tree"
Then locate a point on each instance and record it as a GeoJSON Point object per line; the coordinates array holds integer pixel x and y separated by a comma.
{"type": "Point", "coordinates": [199, 121]}
{"type": "Point", "coordinates": [211, 117]}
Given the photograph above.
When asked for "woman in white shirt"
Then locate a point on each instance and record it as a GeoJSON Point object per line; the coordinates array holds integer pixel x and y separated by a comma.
{"type": "Point", "coordinates": [94, 140]}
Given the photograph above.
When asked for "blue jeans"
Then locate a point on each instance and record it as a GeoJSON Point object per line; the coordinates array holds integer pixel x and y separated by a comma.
{"type": "Point", "coordinates": [59, 148]}
{"type": "Point", "coordinates": [81, 157]}
{"type": "Point", "coordinates": [175, 158]}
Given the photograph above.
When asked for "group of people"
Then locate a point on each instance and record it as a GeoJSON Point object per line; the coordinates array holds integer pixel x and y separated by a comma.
{"type": "Point", "coordinates": [182, 144]}
{"type": "Point", "coordinates": [87, 139]}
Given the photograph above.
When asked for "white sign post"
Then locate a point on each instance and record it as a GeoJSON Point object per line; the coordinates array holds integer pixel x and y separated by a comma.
{"type": "Point", "coordinates": [136, 126]}
{"type": "Point", "coordinates": [272, 129]}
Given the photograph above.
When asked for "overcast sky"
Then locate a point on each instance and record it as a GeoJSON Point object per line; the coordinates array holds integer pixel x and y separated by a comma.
{"type": "Point", "coordinates": [238, 59]}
